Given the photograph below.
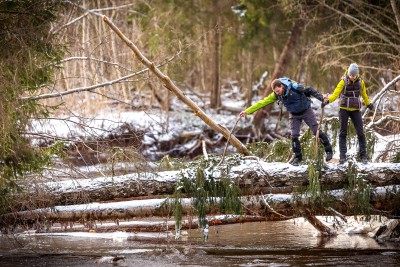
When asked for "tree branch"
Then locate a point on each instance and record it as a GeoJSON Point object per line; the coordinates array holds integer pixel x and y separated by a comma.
{"type": "Point", "coordinates": [174, 89]}
{"type": "Point", "coordinates": [396, 13]}
{"type": "Point", "coordinates": [92, 87]}
{"type": "Point", "coordinates": [383, 91]}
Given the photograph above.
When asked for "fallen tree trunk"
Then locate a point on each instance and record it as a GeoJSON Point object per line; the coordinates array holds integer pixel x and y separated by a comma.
{"type": "Point", "coordinates": [280, 207]}
{"type": "Point", "coordinates": [322, 228]}
{"type": "Point", "coordinates": [252, 176]}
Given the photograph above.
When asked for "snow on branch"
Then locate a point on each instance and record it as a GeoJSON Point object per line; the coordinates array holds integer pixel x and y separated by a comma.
{"type": "Point", "coordinates": [377, 98]}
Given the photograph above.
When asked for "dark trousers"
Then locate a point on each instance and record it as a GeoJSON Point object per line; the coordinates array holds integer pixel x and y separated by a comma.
{"type": "Point", "coordinates": [308, 117]}
{"type": "Point", "coordinates": [356, 118]}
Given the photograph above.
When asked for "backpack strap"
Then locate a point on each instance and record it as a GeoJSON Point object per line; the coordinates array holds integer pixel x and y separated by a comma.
{"type": "Point", "coordinates": [344, 78]}
{"type": "Point", "coordinates": [299, 89]}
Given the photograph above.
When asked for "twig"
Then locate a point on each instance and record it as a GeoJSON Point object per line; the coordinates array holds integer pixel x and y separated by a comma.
{"type": "Point", "coordinates": [382, 92]}
{"type": "Point", "coordinates": [89, 88]}
{"type": "Point", "coordinates": [203, 143]}
{"type": "Point", "coordinates": [272, 210]}
{"type": "Point", "coordinates": [341, 216]}
{"type": "Point", "coordinates": [227, 142]}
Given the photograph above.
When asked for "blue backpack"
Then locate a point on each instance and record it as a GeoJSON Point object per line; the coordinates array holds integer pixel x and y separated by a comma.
{"type": "Point", "coordinates": [298, 102]}
{"type": "Point", "coordinates": [292, 85]}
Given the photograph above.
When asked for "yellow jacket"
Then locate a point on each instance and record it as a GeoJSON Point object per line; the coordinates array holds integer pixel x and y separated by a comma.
{"type": "Point", "coordinates": [339, 88]}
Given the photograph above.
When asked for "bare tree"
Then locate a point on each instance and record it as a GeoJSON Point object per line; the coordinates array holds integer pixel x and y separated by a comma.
{"type": "Point", "coordinates": [363, 32]}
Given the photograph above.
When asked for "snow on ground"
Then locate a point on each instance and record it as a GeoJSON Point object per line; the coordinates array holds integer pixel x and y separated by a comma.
{"type": "Point", "coordinates": [158, 125]}
{"type": "Point", "coordinates": [163, 126]}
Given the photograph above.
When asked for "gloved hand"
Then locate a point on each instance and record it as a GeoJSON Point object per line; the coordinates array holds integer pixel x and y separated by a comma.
{"type": "Point", "coordinates": [370, 106]}
{"type": "Point", "coordinates": [323, 104]}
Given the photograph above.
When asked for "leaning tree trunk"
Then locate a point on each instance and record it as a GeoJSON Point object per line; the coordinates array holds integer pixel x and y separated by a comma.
{"type": "Point", "coordinates": [280, 67]}
{"type": "Point", "coordinates": [173, 88]}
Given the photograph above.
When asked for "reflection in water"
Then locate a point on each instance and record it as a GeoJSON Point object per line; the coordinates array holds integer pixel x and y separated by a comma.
{"type": "Point", "coordinates": [288, 234]}
{"type": "Point", "coordinates": [289, 243]}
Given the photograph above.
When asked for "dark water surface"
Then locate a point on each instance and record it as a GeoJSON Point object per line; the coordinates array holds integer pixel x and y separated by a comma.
{"type": "Point", "coordinates": [250, 244]}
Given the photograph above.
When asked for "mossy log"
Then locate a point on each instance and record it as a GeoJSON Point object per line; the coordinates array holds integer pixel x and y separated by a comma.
{"type": "Point", "coordinates": [252, 177]}
{"type": "Point", "coordinates": [269, 207]}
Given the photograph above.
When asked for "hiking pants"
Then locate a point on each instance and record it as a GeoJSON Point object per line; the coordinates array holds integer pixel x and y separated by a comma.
{"type": "Point", "coordinates": [308, 116]}
{"type": "Point", "coordinates": [356, 118]}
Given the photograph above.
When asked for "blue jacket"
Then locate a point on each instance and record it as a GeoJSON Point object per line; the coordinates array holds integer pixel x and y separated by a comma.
{"type": "Point", "coordinates": [294, 98]}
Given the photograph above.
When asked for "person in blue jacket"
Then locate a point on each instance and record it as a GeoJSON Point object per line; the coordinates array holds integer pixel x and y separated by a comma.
{"type": "Point", "coordinates": [296, 98]}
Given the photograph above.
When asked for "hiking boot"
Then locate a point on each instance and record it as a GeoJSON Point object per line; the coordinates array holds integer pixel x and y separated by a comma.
{"type": "Point", "coordinates": [329, 156]}
{"type": "Point", "coordinates": [296, 162]}
{"type": "Point", "coordinates": [364, 160]}
{"type": "Point", "coordinates": [342, 160]}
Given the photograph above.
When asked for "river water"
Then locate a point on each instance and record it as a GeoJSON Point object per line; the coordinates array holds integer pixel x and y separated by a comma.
{"type": "Point", "coordinates": [287, 243]}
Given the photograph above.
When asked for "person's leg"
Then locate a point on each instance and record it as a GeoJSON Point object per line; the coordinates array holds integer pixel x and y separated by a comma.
{"type": "Point", "coordinates": [362, 142]}
{"type": "Point", "coordinates": [343, 120]}
{"type": "Point", "coordinates": [328, 147]}
{"type": "Point", "coordinates": [311, 121]}
{"type": "Point", "coordinates": [295, 123]}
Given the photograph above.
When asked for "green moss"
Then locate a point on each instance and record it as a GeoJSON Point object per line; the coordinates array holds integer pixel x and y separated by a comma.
{"type": "Point", "coordinates": [206, 192]}
{"type": "Point", "coordinates": [277, 151]}
{"type": "Point", "coordinates": [396, 158]}
{"type": "Point", "coordinates": [358, 192]}
{"type": "Point", "coordinates": [371, 141]}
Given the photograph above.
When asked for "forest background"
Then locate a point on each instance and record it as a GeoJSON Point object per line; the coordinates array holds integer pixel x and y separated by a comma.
{"type": "Point", "coordinates": [60, 59]}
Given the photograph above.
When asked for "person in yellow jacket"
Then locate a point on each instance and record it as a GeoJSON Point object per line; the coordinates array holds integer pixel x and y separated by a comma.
{"type": "Point", "coordinates": [351, 89]}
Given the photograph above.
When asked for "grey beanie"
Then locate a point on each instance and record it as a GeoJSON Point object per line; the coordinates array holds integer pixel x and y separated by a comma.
{"type": "Point", "coordinates": [353, 69]}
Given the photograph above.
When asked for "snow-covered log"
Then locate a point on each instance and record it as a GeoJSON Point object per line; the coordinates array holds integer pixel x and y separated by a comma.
{"type": "Point", "coordinates": [279, 207]}
{"type": "Point", "coordinates": [252, 176]}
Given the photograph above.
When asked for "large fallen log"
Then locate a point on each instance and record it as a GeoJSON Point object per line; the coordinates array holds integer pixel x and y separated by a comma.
{"type": "Point", "coordinates": [252, 176]}
{"type": "Point", "coordinates": [279, 207]}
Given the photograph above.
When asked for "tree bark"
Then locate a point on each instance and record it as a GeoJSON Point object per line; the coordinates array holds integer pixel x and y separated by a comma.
{"type": "Point", "coordinates": [322, 228]}
{"type": "Point", "coordinates": [173, 88]}
{"type": "Point", "coordinates": [280, 207]}
{"type": "Point", "coordinates": [215, 101]}
{"type": "Point", "coordinates": [252, 177]}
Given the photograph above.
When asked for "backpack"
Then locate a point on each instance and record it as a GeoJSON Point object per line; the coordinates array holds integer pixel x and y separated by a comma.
{"type": "Point", "coordinates": [293, 85]}
{"type": "Point", "coordinates": [299, 89]}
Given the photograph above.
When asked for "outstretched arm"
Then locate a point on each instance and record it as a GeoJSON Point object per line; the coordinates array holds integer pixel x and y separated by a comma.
{"type": "Point", "coordinates": [311, 91]}
{"type": "Point", "coordinates": [336, 92]}
{"type": "Point", "coordinates": [271, 98]}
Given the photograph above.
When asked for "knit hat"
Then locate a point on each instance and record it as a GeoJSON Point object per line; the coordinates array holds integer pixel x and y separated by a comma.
{"type": "Point", "coordinates": [353, 69]}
